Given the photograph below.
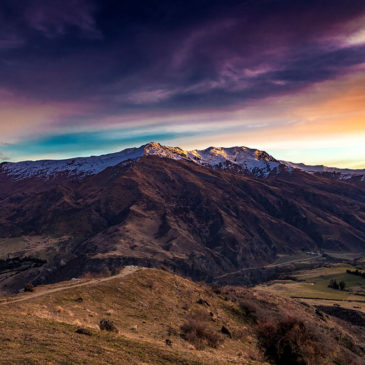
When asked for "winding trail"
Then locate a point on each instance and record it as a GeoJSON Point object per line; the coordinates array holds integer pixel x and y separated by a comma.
{"type": "Point", "coordinates": [127, 270]}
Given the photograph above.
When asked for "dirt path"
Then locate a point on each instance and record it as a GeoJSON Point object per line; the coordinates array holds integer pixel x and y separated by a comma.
{"type": "Point", "coordinates": [270, 266]}
{"type": "Point", "coordinates": [331, 299]}
{"type": "Point", "coordinates": [69, 285]}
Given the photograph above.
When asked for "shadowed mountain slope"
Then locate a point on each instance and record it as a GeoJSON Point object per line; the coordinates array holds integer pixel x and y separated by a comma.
{"type": "Point", "coordinates": [202, 222]}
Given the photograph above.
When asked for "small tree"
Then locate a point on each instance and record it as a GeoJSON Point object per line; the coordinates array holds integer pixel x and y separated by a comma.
{"type": "Point", "coordinates": [333, 284]}
{"type": "Point", "coordinates": [342, 285]}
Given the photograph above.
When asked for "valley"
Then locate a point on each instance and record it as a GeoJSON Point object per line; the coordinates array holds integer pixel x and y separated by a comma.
{"type": "Point", "coordinates": [311, 285]}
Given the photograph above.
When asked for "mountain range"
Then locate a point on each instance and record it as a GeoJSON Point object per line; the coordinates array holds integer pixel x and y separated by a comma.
{"type": "Point", "coordinates": [246, 161]}
{"type": "Point", "coordinates": [203, 213]}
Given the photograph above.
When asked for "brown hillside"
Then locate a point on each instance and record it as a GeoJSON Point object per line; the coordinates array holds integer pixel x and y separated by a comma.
{"type": "Point", "coordinates": [201, 222]}
{"type": "Point", "coordinates": [151, 309]}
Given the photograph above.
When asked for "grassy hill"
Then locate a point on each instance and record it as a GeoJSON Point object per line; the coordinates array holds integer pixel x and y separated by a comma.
{"type": "Point", "coordinates": [162, 318]}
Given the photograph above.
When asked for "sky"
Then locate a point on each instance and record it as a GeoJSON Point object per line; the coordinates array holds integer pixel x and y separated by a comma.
{"type": "Point", "coordinates": [86, 77]}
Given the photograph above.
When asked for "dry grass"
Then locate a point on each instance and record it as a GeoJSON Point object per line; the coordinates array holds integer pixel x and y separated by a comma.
{"type": "Point", "coordinates": [199, 332]}
{"type": "Point", "coordinates": [152, 309]}
{"type": "Point", "coordinates": [148, 307]}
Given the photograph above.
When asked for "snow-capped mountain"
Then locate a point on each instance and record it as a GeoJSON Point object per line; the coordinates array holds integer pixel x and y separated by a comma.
{"type": "Point", "coordinates": [242, 160]}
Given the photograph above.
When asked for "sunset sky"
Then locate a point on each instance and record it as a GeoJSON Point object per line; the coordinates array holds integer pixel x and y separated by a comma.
{"type": "Point", "coordinates": [82, 77]}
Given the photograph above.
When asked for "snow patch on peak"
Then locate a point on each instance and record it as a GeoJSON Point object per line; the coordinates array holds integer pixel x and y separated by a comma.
{"type": "Point", "coordinates": [242, 160]}
{"type": "Point", "coordinates": [80, 166]}
{"type": "Point", "coordinates": [157, 149]}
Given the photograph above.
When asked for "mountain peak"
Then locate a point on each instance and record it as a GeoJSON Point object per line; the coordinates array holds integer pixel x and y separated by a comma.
{"type": "Point", "coordinates": [152, 145]}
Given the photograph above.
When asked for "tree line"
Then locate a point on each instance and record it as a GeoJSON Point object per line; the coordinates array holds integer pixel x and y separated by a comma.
{"type": "Point", "coordinates": [337, 285]}
{"type": "Point", "coordinates": [356, 272]}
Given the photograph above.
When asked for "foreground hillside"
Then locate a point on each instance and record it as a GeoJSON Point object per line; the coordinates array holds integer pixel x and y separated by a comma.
{"type": "Point", "coordinates": [161, 318]}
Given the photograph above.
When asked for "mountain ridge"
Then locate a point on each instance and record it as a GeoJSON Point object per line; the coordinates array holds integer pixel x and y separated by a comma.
{"type": "Point", "coordinates": [240, 159]}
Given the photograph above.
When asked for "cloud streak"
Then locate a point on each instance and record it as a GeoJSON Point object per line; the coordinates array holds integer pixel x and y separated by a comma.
{"type": "Point", "coordinates": [3, 157]}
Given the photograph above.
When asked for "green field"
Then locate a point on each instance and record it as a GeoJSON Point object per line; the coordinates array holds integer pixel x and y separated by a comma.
{"type": "Point", "coordinates": [312, 284]}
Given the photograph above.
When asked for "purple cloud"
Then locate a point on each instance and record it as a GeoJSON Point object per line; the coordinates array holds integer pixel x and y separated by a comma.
{"type": "Point", "coordinates": [126, 58]}
{"type": "Point", "coordinates": [55, 18]}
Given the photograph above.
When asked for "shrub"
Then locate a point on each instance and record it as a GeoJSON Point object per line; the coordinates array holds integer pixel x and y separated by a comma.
{"type": "Point", "coordinates": [342, 285]}
{"type": "Point", "coordinates": [203, 302]}
{"type": "Point", "coordinates": [288, 342]}
{"type": "Point", "coordinates": [216, 289]}
{"type": "Point", "coordinates": [168, 342]}
{"type": "Point", "coordinates": [198, 331]}
{"type": "Point", "coordinates": [29, 287]}
{"type": "Point", "coordinates": [107, 325]}
{"type": "Point", "coordinates": [333, 284]}
{"type": "Point", "coordinates": [249, 308]}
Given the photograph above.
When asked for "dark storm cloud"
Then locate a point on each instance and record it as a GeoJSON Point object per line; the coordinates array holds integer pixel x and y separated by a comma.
{"type": "Point", "coordinates": [144, 55]}
{"type": "Point", "coordinates": [32, 18]}
{"type": "Point", "coordinates": [54, 18]}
